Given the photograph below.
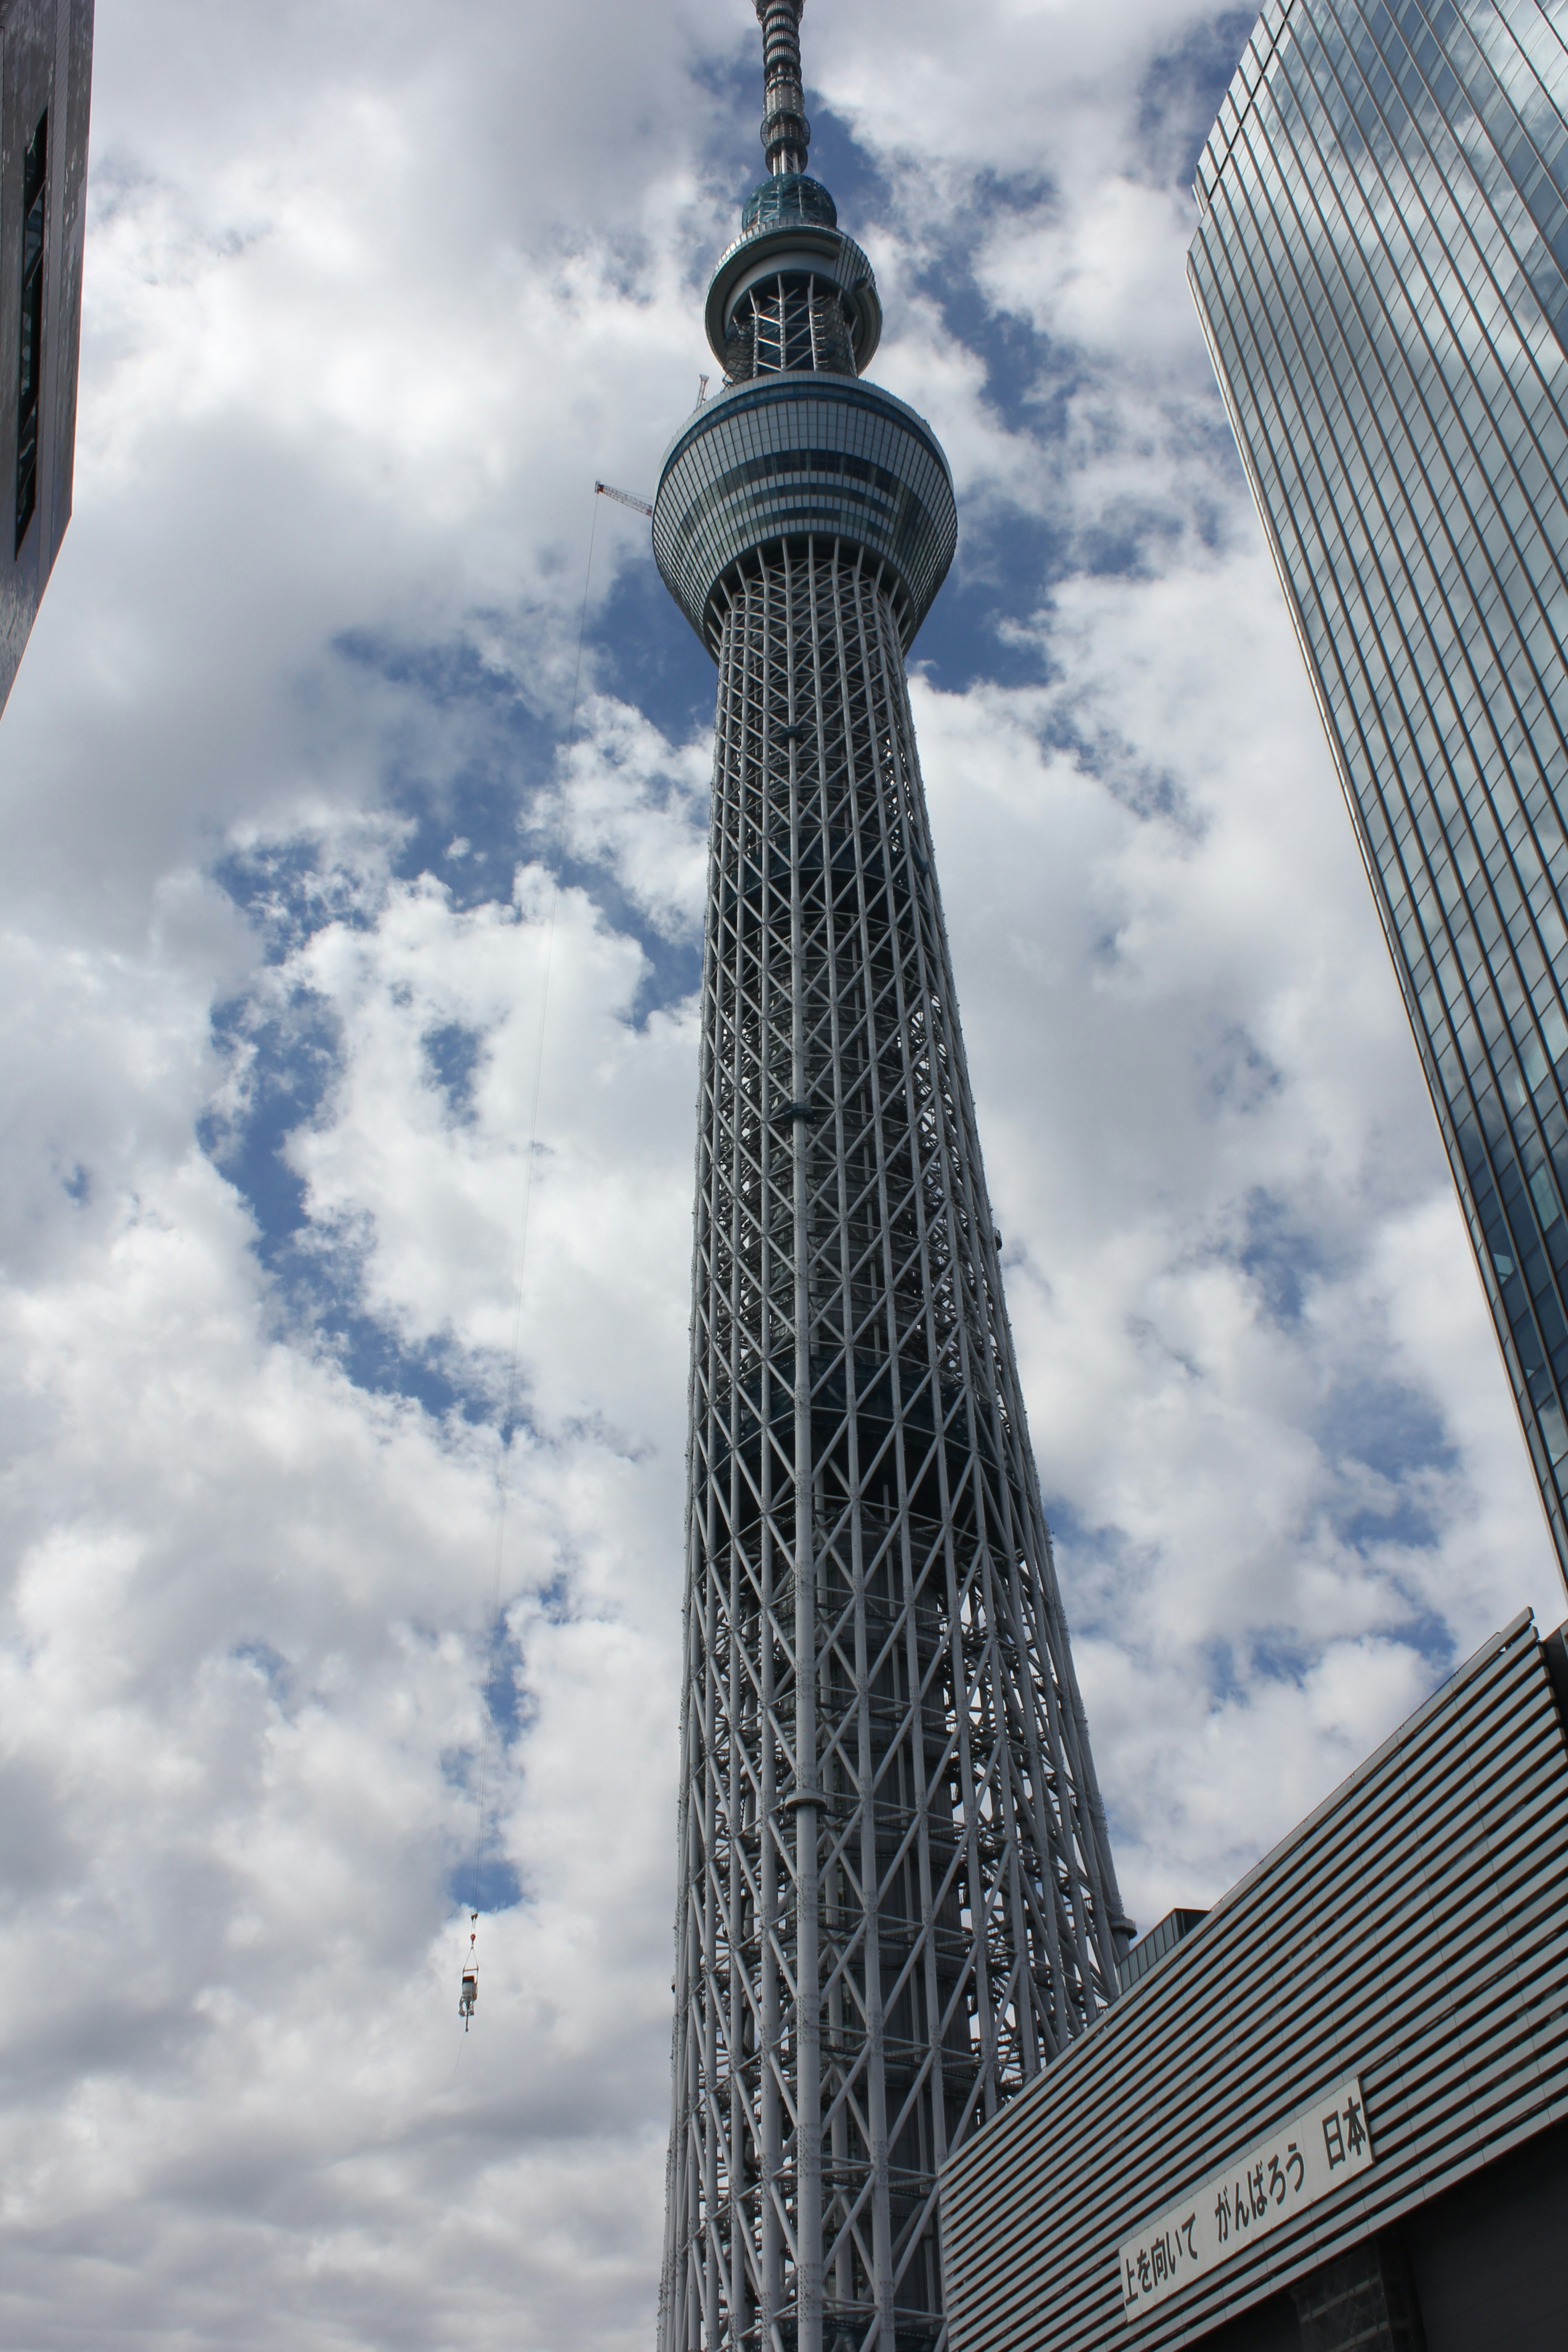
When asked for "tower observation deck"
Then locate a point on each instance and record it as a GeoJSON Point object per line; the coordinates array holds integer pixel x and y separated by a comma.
{"type": "Point", "coordinates": [895, 1896]}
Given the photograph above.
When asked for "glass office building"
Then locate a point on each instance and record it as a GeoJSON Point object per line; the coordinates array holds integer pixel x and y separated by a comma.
{"type": "Point", "coordinates": [1381, 269]}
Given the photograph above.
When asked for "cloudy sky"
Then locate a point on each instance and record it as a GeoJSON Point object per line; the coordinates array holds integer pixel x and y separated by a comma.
{"type": "Point", "coordinates": [344, 989]}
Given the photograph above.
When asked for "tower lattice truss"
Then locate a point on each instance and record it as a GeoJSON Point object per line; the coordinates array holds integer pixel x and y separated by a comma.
{"type": "Point", "coordinates": [896, 1898]}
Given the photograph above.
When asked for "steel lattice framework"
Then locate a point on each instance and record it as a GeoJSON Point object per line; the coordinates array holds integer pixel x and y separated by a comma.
{"type": "Point", "coordinates": [896, 1897]}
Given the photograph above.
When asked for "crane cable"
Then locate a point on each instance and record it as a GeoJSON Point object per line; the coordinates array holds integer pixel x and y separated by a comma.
{"type": "Point", "coordinates": [483, 1805]}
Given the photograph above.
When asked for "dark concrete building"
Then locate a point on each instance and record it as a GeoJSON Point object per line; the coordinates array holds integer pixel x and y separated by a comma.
{"type": "Point", "coordinates": [1333, 2113]}
{"type": "Point", "coordinates": [46, 81]}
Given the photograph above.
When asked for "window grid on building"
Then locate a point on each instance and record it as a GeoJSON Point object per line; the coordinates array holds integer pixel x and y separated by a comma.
{"type": "Point", "coordinates": [1380, 266]}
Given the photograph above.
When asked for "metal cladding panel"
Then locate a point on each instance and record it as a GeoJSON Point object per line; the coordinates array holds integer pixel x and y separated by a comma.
{"type": "Point", "coordinates": [796, 455]}
{"type": "Point", "coordinates": [1409, 1931]}
{"type": "Point", "coordinates": [46, 49]}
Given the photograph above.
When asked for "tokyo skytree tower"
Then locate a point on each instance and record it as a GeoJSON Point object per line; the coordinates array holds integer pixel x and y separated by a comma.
{"type": "Point", "coordinates": [896, 1897]}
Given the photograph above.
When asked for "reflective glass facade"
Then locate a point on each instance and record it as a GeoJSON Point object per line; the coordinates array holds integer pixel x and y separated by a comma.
{"type": "Point", "coordinates": [1380, 269]}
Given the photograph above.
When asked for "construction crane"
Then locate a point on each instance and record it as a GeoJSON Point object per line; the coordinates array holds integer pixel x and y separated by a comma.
{"type": "Point", "coordinates": [623, 499]}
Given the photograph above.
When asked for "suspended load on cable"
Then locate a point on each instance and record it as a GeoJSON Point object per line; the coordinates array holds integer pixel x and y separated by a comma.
{"type": "Point", "coordinates": [470, 1993]}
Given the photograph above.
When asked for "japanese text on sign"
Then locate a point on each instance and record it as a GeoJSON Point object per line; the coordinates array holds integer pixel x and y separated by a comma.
{"type": "Point", "coordinates": [1297, 2163]}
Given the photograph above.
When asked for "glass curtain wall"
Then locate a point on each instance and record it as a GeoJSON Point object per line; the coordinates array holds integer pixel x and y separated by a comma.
{"type": "Point", "coordinates": [1380, 265]}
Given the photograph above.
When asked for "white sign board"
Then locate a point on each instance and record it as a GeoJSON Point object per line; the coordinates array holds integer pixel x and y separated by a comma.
{"type": "Point", "coordinates": [1297, 2163]}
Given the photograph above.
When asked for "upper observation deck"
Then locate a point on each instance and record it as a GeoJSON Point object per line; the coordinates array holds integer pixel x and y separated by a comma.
{"type": "Point", "coordinates": [803, 453]}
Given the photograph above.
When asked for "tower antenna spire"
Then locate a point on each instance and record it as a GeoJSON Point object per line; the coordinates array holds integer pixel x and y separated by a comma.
{"type": "Point", "coordinates": [786, 133]}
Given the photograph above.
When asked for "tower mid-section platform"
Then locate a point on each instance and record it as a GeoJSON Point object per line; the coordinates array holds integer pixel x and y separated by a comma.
{"type": "Point", "coordinates": [797, 455]}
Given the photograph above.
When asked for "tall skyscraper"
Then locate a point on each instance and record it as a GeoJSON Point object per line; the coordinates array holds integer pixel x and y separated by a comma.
{"type": "Point", "coordinates": [1380, 267]}
{"type": "Point", "coordinates": [46, 84]}
{"type": "Point", "coordinates": [896, 1898]}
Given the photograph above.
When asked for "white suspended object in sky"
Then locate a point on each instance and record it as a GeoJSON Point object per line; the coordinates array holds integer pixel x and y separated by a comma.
{"type": "Point", "coordinates": [468, 1993]}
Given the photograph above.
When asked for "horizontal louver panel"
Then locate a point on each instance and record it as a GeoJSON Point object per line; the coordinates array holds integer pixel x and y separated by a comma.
{"type": "Point", "coordinates": [1410, 1931]}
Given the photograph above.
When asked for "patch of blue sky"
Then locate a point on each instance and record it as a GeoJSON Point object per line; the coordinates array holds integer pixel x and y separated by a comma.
{"type": "Point", "coordinates": [672, 968]}
{"type": "Point", "coordinates": [1281, 1258]}
{"type": "Point", "coordinates": [984, 627]}
{"type": "Point", "coordinates": [1233, 1668]}
{"type": "Point", "coordinates": [1277, 1656]}
{"type": "Point", "coordinates": [1404, 1524]}
{"type": "Point", "coordinates": [1101, 1569]}
{"type": "Point", "coordinates": [291, 1061]}
{"type": "Point", "coordinates": [1241, 1077]}
{"type": "Point", "coordinates": [316, 1273]}
{"type": "Point", "coordinates": [1141, 785]}
{"type": "Point", "coordinates": [287, 891]}
{"type": "Point", "coordinates": [270, 1664]}
{"type": "Point", "coordinates": [507, 745]}
{"type": "Point", "coordinates": [1200, 432]}
{"type": "Point", "coordinates": [487, 1886]}
{"type": "Point", "coordinates": [499, 803]}
{"type": "Point", "coordinates": [1224, 1679]}
{"type": "Point", "coordinates": [469, 823]}
{"type": "Point", "coordinates": [455, 1055]}
{"type": "Point", "coordinates": [1029, 376]}
{"type": "Point", "coordinates": [640, 646]}
{"type": "Point", "coordinates": [1181, 94]}
{"type": "Point", "coordinates": [1399, 1434]}
{"type": "Point", "coordinates": [1384, 1425]}
{"type": "Point", "coordinates": [318, 1290]}
{"type": "Point", "coordinates": [1134, 538]}
{"type": "Point", "coordinates": [509, 1702]}
{"type": "Point", "coordinates": [486, 1879]}
{"type": "Point", "coordinates": [553, 1601]}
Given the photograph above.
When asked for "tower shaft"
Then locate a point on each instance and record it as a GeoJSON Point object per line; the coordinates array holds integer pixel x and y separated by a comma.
{"type": "Point", "coordinates": [895, 1900]}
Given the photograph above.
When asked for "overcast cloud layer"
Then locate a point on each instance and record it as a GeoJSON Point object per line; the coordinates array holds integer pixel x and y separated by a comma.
{"type": "Point", "coordinates": [342, 987]}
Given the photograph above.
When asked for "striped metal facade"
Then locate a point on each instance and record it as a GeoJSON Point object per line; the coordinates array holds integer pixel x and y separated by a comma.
{"type": "Point", "coordinates": [1410, 1930]}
